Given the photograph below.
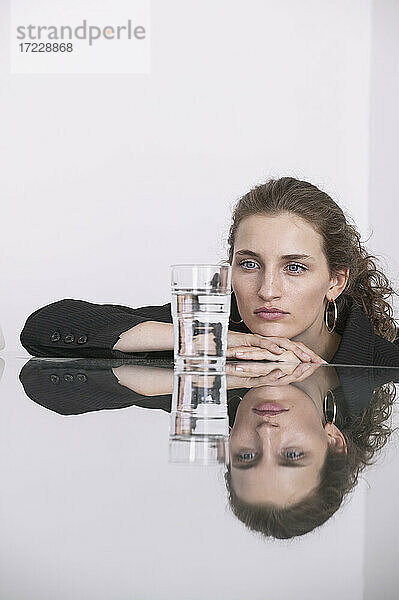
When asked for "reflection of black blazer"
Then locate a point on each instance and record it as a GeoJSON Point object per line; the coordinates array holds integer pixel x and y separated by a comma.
{"type": "Point", "coordinates": [72, 387]}
{"type": "Point", "coordinates": [76, 328]}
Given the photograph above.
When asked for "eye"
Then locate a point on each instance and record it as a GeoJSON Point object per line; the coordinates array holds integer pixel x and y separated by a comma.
{"type": "Point", "coordinates": [246, 456]}
{"type": "Point", "coordinates": [296, 268]}
{"type": "Point", "coordinates": [292, 454]}
{"type": "Point", "coordinates": [243, 262]}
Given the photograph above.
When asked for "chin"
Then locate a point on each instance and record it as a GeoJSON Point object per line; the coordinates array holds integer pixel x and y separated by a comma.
{"type": "Point", "coordinates": [274, 330]}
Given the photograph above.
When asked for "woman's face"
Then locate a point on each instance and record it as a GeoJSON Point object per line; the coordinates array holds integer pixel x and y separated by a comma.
{"type": "Point", "coordinates": [279, 263]}
{"type": "Point", "coordinates": [277, 458]}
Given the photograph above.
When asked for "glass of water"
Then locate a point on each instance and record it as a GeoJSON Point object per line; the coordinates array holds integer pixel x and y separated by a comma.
{"type": "Point", "coordinates": [201, 299]}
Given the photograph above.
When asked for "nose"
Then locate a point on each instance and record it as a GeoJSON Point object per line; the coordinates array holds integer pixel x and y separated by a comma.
{"type": "Point", "coordinates": [266, 425]}
{"type": "Point", "coordinates": [268, 433]}
{"type": "Point", "coordinates": [271, 287]}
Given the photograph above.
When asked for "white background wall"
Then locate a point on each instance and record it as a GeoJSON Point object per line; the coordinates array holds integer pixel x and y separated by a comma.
{"type": "Point", "coordinates": [106, 180]}
{"type": "Point", "coordinates": [384, 136]}
{"type": "Point", "coordinates": [382, 534]}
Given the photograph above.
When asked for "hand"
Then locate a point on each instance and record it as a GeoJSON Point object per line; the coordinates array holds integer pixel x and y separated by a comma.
{"type": "Point", "coordinates": [258, 347]}
{"type": "Point", "coordinates": [255, 374]}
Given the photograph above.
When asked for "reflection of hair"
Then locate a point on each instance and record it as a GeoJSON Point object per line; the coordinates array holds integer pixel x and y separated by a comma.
{"type": "Point", "coordinates": [369, 432]}
{"type": "Point", "coordinates": [368, 286]}
{"type": "Point", "coordinates": [339, 474]}
{"type": "Point", "coordinates": [297, 519]}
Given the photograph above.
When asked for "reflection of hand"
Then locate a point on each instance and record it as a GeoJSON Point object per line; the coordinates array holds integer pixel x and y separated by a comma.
{"type": "Point", "coordinates": [259, 347]}
{"type": "Point", "coordinates": [257, 373]}
{"type": "Point", "coordinates": [147, 381]}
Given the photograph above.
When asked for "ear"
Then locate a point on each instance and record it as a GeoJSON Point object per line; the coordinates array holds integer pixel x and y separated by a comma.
{"type": "Point", "coordinates": [338, 284]}
{"type": "Point", "coordinates": [336, 438]}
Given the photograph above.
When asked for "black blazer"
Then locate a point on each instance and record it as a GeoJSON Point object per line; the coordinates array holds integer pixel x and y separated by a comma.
{"type": "Point", "coordinates": [76, 328]}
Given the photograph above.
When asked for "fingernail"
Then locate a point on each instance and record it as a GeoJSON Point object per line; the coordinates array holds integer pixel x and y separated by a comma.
{"type": "Point", "coordinates": [241, 354]}
{"type": "Point", "coordinates": [239, 368]}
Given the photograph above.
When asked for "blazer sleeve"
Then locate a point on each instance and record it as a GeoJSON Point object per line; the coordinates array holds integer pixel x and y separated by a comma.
{"type": "Point", "coordinates": [77, 328]}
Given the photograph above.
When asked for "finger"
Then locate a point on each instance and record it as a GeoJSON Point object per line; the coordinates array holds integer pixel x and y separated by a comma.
{"type": "Point", "coordinates": [256, 354]}
{"type": "Point", "coordinates": [315, 357]}
{"type": "Point", "coordinates": [263, 354]}
{"type": "Point", "coordinates": [260, 341]}
{"type": "Point", "coordinates": [231, 352]}
{"type": "Point", "coordinates": [311, 368]}
{"type": "Point", "coordinates": [273, 376]}
{"type": "Point", "coordinates": [256, 369]}
{"type": "Point", "coordinates": [301, 371]}
{"type": "Point", "coordinates": [243, 353]}
{"type": "Point", "coordinates": [302, 351]}
{"type": "Point", "coordinates": [240, 349]}
{"type": "Point", "coordinates": [293, 347]}
{"type": "Point", "coordinates": [301, 347]}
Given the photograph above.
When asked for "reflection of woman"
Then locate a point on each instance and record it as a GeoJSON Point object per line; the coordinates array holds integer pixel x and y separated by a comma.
{"type": "Point", "coordinates": [297, 450]}
{"type": "Point", "coordinates": [289, 471]}
{"type": "Point", "coordinates": [304, 289]}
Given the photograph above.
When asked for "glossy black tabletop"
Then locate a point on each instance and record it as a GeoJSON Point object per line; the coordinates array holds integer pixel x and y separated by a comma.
{"type": "Point", "coordinates": [126, 479]}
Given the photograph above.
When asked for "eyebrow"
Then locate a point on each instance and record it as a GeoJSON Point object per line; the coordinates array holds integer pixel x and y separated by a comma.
{"type": "Point", "coordinates": [285, 256]}
{"type": "Point", "coordinates": [246, 465]}
{"type": "Point", "coordinates": [296, 464]}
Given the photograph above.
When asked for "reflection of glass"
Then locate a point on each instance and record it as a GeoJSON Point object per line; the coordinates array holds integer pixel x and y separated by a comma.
{"type": "Point", "coordinates": [199, 424]}
{"type": "Point", "coordinates": [201, 297]}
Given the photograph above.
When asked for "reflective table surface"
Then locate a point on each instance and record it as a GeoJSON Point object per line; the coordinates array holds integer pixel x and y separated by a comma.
{"type": "Point", "coordinates": [128, 479]}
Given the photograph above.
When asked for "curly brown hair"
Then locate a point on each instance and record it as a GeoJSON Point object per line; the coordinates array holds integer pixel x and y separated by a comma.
{"type": "Point", "coordinates": [367, 285]}
{"type": "Point", "coordinates": [365, 436]}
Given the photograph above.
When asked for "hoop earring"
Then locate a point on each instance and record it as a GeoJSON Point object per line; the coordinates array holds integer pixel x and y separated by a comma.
{"type": "Point", "coordinates": [236, 322]}
{"type": "Point", "coordinates": [325, 407]}
{"type": "Point", "coordinates": [330, 329]}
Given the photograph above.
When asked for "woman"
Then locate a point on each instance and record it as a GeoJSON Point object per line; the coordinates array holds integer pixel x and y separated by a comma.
{"type": "Point", "coordinates": [304, 289]}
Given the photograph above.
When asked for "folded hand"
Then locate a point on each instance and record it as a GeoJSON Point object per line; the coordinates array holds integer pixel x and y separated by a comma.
{"type": "Point", "coordinates": [252, 346]}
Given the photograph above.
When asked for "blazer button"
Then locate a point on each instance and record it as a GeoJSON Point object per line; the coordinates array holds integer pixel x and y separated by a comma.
{"type": "Point", "coordinates": [81, 377]}
{"type": "Point", "coordinates": [82, 339]}
{"type": "Point", "coordinates": [55, 337]}
{"type": "Point", "coordinates": [69, 338]}
{"type": "Point", "coordinates": [54, 378]}
{"type": "Point", "coordinates": [68, 377]}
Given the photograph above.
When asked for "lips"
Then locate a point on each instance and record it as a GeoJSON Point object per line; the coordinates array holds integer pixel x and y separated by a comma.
{"type": "Point", "coordinates": [271, 316]}
{"type": "Point", "coordinates": [263, 309]}
{"type": "Point", "coordinates": [269, 408]}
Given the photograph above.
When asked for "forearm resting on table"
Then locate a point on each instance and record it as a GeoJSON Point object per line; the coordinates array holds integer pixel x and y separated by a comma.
{"type": "Point", "coordinates": [146, 337]}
